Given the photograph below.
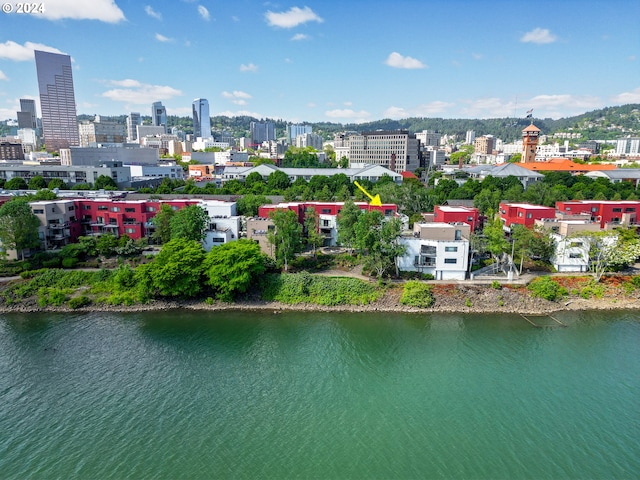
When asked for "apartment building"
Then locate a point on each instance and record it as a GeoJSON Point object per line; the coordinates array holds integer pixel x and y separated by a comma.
{"type": "Point", "coordinates": [608, 213]}
{"type": "Point", "coordinates": [523, 214]}
{"type": "Point", "coordinates": [437, 248]}
{"type": "Point", "coordinates": [457, 214]}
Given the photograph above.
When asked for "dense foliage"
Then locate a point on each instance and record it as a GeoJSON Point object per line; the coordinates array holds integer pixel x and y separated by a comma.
{"type": "Point", "coordinates": [417, 294]}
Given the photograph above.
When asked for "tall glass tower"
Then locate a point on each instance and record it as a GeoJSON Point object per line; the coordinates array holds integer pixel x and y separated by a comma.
{"type": "Point", "coordinates": [159, 115]}
{"type": "Point", "coordinates": [201, 119]}
{"type": "Point", "coordinates": [57, 100]}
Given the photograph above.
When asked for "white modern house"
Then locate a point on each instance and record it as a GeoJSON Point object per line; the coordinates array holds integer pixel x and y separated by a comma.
{"type": "Point", "coordinates": [440, 249]}
{"type": "Point", "coordinates": [572, 249]}
{"type": "Point", "coordinates": [224, 223]}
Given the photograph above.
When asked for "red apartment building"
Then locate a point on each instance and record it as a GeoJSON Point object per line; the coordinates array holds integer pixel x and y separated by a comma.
{"type": "Point", "coordinates": [325, 208]}
{"type": "Point", "coordinates": [524, 214]}
{"type": "Point", "coordinates": [451, 214]}
{"type": "Point", "coordinates": [611, 212]}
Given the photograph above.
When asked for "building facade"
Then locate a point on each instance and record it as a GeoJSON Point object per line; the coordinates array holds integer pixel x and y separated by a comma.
{"type": "Point", "coordinates": [57, 100]}
{"type": "Point", "coordinates": [262, 132]}
{"type": "Point", "coordinates": [201, 118]}
{"type": "Point", "coordinates": [99, 132]}
{"type": "Point", "coordinates": [396, 150]}
{"type": "Point", "coordinates": [158, 116]}
{"type": "Point", "coordinates": [133, 120]}
{"type": "Point", "coordinates": [524, 214]}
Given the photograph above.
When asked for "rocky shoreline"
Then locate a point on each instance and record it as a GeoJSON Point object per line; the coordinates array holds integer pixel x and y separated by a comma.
{"type": "Point", "coordinates": [449, 299]}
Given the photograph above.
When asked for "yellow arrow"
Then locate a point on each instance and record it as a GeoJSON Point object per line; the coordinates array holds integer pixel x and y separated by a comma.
{"type": "Point", "coordinates": [375, 201]}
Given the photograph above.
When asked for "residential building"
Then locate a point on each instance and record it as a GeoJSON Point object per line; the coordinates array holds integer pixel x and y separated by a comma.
{"type": "Point", "coordinates": [224, 223]}
{"type": "Point", "coordinates": [71, 175]}
{"type": "Point", "coordinates": [261, 132]}
{"type": "Point", "coordinates": [523, 214]}
{"type": "Point", "coordinates": [309, 140]}
{"type": "Point", "coordinates": [608, 213]}
{"type": "Point", "coordinates": [57, 100]}
{"type": "Point", "coordinates": [431, 158]}
{"type": "Point", "coordinates": [158, 116]}
{"type": "Point", "coordinates": [470, 137]}
{"type": "Point", "coordinates": [92, 156]}
{"type": "Point", "coordinates": [201, 118]}
{"type": "Point", "coordinates": [100, 131]}
{"type": "Point", "coordinates": [457, 214]}
{"type": "Point", "coordinates": [628, 147]}
{"type": "Point", "coordinates": [11, 151]}
{"type": "Point", "coordinates": [429, 138]}
{"type": "Point", "coordinates": [484, 144]}
{"type": "Point", "coordinates": [133, 121]}
{"type": "Point", "coordinates": [294, 130]}
{"type": "Point", "coordinates": [29, 139]}
{"type": "Point", "coordinates": [439, 249]}
{"type": "Point", "coordinates": [59, 222]}
{"type": "Point", "coordinates": [398, 151]}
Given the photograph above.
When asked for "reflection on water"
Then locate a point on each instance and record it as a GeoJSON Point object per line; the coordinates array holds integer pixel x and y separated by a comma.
{"type": "Point", "coordinates": [257, 395]}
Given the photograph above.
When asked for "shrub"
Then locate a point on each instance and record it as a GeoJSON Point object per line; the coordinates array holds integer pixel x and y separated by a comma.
{"type": "Point", "coordinates": [635, 281]}
{"type": "Point", "coordinates": [428, 276]}
{"type": "Point", "coordinates": [52, 262]}
{"type": "Point", "coordinates": [417, 294]}
{"type": "Point", "coordinates": [69, 262]}
{"type": "Point", "coordinates": [592, 290]}
{"type": "Point", "coordinates": [545, 287]}
{"type": "Point", "coordinates": [496, 284]}
{"type": "Point", "coordinates": [78, 302]}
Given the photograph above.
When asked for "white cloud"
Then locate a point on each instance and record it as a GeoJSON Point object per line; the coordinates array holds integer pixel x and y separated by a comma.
{"type": "Point", "coordinates": [3, 76]}
{"type": "Point", "coordinates": [138, 93]}
{"type": "Point", "coordinates": [248, 68]}
{"type": "Point", "coordinates": [10, 112]}
{"type": "Point", "coordinates": [396, 60]}
{"type": "Point", "coordinates": [241, 113]}
{"type": "Point", "coordinates": [102, 10]}
{"type": "Point", "coordinates": [162, 38]}
{"type": "Point", "coordinates": [23, 53]}
{"type": "Point", "coordinates": [87, 105]}
{"type": "Point", "coordinates": [311, 105]}
{"type": "Point", "coordinates": [300, 36]}
{"type": "Point", "coordinates": [424, 110]}
{"type": "Point", "coordinates": [292, 18]}
{"type": "Point", "coordinates": [539, 36]}
{"type": "Point", "coordinates": [627, 97]}
{"type": "Point", "coordinates": [152, 13]}
{"type": "Point", "coordinates": [348, 114]}
{"type": "Point", "coordinates": [238, 97]}
{"type": "Point", "coordinates": [203, 12]}
{"type": "Point", "coordinates": [488, 108]}
{"type": "Point", "coordinates": [571, 103]}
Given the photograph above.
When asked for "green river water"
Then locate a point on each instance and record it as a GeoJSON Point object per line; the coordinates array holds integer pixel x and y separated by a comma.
{"type": "Point", "coordinates": [183, 394]}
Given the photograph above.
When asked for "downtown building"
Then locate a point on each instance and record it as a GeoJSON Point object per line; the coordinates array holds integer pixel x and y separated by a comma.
{"type": "Point", "coordinates": [201, 118]}
{"type": "Point", "coordinates": [398, 151]}
{"type": "Point", "coordinates": [57, 100]}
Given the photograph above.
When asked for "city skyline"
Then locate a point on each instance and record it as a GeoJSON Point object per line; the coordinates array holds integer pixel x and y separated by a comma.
{"type": "Point", "coordinates": [347, 62]}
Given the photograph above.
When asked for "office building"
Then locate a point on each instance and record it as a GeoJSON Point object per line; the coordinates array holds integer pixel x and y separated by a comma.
{"type": "Point", "coordinates": [397, 150]}
{"type": "Point", "coordinates": [159, 115]}
{"type": "Point", "coordinates": [201, 119]}
{"type": "Point", "coordinates": [262, 132]}
{"type": "Point", "coordinates": [294, 130]}
{"type": "Point", "coordinates": [101, 132]}
{"type": "Point", "coordinates": [57, 100]}
{"type": "Point", "coordinates": [484, 144]}
{"type": "Point", "coordinates": [27, 114]}
{"type": "Point", "coordinates": [133, 120]}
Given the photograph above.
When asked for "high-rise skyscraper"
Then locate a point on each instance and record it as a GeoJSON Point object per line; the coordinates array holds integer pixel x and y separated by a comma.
{"type": "Point", "coordinates": [57, 100]}
{"type": "Point", "coordinates": [27, 113]}
{"type": "Point", "coordinates": [133, 120]}
{"type": "Point", "coordinates": [159, 115]}
{"type": "Point", "coordinates": [201, 119]}
{"type": "Point", "coordinates": [262, 132]}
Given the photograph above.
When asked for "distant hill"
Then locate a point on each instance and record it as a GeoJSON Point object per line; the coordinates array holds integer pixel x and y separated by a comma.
{"type": "Point", "coordinates": [603, 124]}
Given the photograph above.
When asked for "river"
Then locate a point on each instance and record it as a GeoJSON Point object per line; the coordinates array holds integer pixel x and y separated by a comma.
{"type": "Point", "coordinates": [184, 394]}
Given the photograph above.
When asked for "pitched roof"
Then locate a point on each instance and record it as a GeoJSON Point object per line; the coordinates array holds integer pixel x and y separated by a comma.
{"type": "Point", "coordinates": [408, 175]}
{"type": "Point", "coordinates": [564, 165]}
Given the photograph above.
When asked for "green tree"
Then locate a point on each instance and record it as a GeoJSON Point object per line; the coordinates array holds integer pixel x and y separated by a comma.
{"type": "Point", "coordinates": [18, 227]}
{"type": "Point", "coordinates": [278, 181]}
{"type": "Point", "coordinates": [248, 204]}
{"type": "Point", "coordinates": [162, 223]}
{"type": "Point", "coordinates": [105, 182]}
{"type": "Point", "coordinates": [232, 268]}
{"type": "Point", "coordinates": [190, 222]}
{"type": "Point", "coordinates": [311, 224]}
{"type": "Point", "coordinates": [346, 221]}
{"type": "Point", "coordinates": [286, 236]}
{"type": "Point", "coordinates": [497, 243]}
{"type": "Point", "coordinates": [107, 244]}
{"type": "Point", "coordinates": [175, 272]}
{"type": "Point", "coordinates": [384, 252]}
{"type": "Point", "coordinates": [37, 182]}
{"type": "Point", "coordinates": [16, 183]}
{"type": "Point", "coordinates": [57, 183]}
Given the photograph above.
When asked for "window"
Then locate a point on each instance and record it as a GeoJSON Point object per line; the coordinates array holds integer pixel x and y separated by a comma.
{"type": "Point", "coordinates": [575, 244]}
{"type": "Point", "coordinates": [520, 214]}
{"type": "Point", "coordinates": [529, 215]}
{"type": "Point", "coordinates": [450, 249]}
{"type": "Point", "coordinates": [86, 207]}
{"type": "Point", "coordinates": [130, 230]}
{"type": "Point", "coordinates": [38, 211]}
{"type": "Point", "coordinates": [617, 210]}
{"type": "Point", "coordinates": [115, 209]}
{"type": "Point", "coordinates": [151, 209]}
{"type": "Point", "coordinates": [629, 209]}
{"type": "Point", "coordinates": [102, 207]}
{"type": "Point", "coordinates": [326, 210]}
{"type": "Point", "coordinates": [450, 260]}
{"type": "Point", "coordinates": [575, 255]}
{"type": "Point", "coordinates": [129, 209]}
{"type": "Point", "coordinates": [388, 212]}
{"type": "Point", "coordinates": [217, 240]}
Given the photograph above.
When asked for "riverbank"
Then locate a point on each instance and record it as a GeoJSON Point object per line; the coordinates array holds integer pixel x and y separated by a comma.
{"type": "Point", "coordinates": [460, 297]}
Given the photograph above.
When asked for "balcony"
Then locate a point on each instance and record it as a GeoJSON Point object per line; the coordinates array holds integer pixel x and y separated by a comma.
{"type": "Point", "coordinates": [58, 226]}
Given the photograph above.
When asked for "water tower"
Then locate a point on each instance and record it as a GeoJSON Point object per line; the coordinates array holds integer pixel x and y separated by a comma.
{"type": "Point", "coordinates": [530, 136]}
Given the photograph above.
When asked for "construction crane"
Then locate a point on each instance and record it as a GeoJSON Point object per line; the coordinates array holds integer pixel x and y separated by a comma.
{"type": "Point", "coordinates": [375, 201]}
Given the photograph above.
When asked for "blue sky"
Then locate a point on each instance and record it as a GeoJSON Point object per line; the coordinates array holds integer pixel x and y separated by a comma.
{"type": "Point", "coordinates": [324, 60]}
